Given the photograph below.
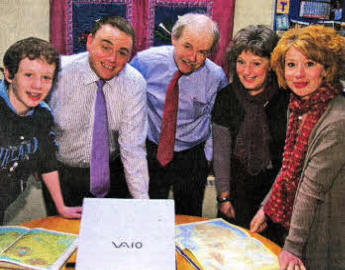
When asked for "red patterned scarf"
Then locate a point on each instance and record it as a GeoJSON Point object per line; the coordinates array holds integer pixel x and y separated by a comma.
{"type": "Point", "coordinates": [279, 206]}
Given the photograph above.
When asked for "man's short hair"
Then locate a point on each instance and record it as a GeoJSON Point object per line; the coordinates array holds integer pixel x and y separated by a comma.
{"type": "Point", "coordinates": [115, 21]}
{"type": "Point", "coordinates": [32, 48]}
{"type": "Point", "coordinates": [194, 20]}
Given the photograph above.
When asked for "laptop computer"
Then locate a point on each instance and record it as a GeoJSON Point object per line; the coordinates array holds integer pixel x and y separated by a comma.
{"type": "Point", "coordinates": [127, 234]}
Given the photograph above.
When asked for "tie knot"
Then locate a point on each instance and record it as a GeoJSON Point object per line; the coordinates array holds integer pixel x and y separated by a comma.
{"type": "Point", "coordinates": [177, 75]}
{"type": "Point", "coordinates": [100, 83]}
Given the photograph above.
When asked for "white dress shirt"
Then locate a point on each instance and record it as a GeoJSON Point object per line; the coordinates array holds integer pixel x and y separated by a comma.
{"type": "Point", "coordinates": [73, 105]}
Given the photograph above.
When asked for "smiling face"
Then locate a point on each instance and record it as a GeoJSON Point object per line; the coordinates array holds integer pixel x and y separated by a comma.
{"type": "Point", "coordinates": [252, 71]}
{"type": "Point", "coordinates": [110, 50]}
{"type": "Point", "coordinates": [303, 76]}
{"type": "Point", "coordinates": [192, 49]}
{"type": "Point", "coordinates": [30, 85]}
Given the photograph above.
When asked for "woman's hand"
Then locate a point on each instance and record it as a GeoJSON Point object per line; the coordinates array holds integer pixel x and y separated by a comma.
{"type": "Point", "coordinates": [70, 212]}
{"type": "Point", "coordinates": [227, 209]}
{"type": "Point", "coordinates": [259, 222]}
{"type": "Point", "coordinates": [288, 261]}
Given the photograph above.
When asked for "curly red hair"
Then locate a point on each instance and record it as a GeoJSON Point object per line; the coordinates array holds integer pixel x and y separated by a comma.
{"type": "Point", "coordinates": [321, 44]}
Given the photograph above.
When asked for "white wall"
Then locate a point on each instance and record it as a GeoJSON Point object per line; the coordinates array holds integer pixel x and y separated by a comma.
{"type": "Point", "coordinates": [20, 19]}
{"type": "Point", "coordinates": [249, 12]}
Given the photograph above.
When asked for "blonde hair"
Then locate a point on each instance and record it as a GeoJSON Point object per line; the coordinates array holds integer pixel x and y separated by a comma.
{"type": "Point", "coordinates": [319, 43]}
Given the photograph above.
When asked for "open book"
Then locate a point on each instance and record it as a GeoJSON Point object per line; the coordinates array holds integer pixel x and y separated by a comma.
{"type": "Point", "coordinates": [24, 248]}
{"type": "Point", "coordinates": [219, 245]}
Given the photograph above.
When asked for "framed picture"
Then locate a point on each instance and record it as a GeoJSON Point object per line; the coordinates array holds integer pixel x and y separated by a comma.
{"type": "Point", "coordinates": [282, 22]}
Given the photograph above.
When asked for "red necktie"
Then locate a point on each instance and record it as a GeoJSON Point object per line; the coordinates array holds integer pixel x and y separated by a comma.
{"type": "Point", "coordinates": [165, 150]}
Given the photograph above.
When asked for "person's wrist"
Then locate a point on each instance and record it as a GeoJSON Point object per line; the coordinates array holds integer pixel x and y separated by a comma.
{"type": "Point", "coordinates": [223, 199]}
{"type": "Point", "coordinates": [61, 209]}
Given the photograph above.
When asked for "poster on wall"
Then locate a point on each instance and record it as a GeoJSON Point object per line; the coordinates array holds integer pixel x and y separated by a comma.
{"type": "Point", "coordinates": [291, 13]}
{"type": "Point", "coordinates": [283, 7]}
{"type": "Point", "coordinates": [282, 22]}
{"type": "Point", "coordinates": [316, 10]}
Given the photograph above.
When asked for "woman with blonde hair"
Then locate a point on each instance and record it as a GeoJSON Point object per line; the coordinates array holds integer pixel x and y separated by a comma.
{"type": "Point", "coordinates": [308, 195]}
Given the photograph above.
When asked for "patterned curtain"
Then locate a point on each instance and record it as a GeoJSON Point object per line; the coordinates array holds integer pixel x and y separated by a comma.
{"type": "Point", "coordinates": [71, 20]}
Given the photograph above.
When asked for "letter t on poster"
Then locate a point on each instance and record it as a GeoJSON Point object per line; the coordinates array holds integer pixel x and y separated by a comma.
{"type": "Point", "coordinates": [283, 6]}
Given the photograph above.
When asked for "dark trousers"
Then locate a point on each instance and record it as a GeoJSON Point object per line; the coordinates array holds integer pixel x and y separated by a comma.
{"type": "Point", "coordinates": [10, 189]}
{"type": "Point", "coordinates": [247, 192]}
{"type": "Point", "coordinates": [186, 174]}
{"type": "Point", "coordinates": [75, 185]}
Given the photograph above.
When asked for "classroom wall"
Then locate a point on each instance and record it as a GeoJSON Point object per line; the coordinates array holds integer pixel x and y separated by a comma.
{"type": "Point", "coordinates": [24, 18]}
{"type": "Point", "coordinates": [253, 12]}
{"type": "Point", "coordinates": [20, 19]}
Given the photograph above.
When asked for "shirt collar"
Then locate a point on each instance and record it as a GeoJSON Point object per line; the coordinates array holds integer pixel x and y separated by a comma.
{"type": "Point", "coordinates": [172, 64]}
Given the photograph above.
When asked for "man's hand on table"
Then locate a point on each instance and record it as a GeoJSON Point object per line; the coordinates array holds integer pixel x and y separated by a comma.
{"type": "Point", "coordinates": [70, 212]}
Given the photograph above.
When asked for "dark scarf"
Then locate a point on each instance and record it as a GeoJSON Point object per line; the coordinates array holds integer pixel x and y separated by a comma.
{"type": "Point", "coordinates": [252, 142]}
{"type": "Point", "coordinates": [279, 205]}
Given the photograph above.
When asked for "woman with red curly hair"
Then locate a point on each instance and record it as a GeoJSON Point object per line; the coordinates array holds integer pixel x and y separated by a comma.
{"type": "Point", "coordinates": [308, 195]}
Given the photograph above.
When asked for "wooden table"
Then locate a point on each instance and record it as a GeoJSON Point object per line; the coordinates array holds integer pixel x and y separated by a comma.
{"type": "Point", "coordinates": [72, 226]}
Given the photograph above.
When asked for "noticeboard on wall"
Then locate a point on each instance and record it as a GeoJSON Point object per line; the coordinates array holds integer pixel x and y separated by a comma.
{"type": "Point", "coordinates": [304, 12]}
{"type": "Point", "coordinates": [315, 10]}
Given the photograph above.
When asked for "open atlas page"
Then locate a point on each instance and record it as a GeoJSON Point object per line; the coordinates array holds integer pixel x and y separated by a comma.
{"type": "Point", "coordinates": [218, 245]}
{"type": "Point", "coordinates": [41, 249]}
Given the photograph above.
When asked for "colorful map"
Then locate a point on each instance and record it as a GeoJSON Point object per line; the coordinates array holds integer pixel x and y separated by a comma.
{"type": "Point", "coordinates": [8, 235]}
{"type": "Point", "coordinates": [218, 245]}
{"type": "Point", "coordinates": [37, 248]}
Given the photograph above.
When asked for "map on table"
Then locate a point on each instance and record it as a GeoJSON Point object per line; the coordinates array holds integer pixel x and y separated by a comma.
{"type": "Point", "coordinates": [219, 245]}
{"type": "Point", "coordinates": [38, 248]}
